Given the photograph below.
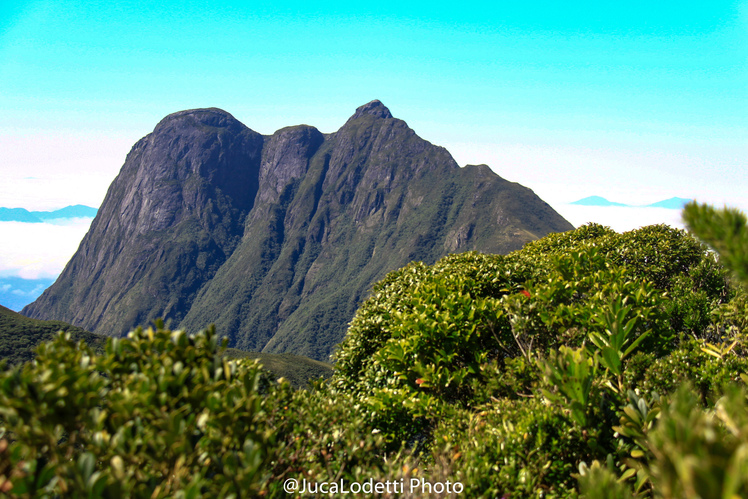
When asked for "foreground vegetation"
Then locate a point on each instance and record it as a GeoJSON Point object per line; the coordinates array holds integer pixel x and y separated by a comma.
{"type": "Point", "coordinates": [20, 335]}
{"type": "Point", "coordinates": [589, 364]}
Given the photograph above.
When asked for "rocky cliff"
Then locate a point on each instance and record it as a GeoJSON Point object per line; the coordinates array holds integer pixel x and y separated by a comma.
{"type": "Point", "coordinates": [277, 239]}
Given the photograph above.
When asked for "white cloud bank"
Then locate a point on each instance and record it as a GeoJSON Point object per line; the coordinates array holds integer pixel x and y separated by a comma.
{"type": "Point", "coordinates": [619, 218]}
{"type": "Point", "coordinates": [36, 251]}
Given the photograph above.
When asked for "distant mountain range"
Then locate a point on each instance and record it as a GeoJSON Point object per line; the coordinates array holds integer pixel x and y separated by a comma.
{"type": "Point", "coordinates": [277, 239]}
{"type": "Point", "coordinates": [672, 203]}
{"type": "Point", "coordinates": [23, 215]}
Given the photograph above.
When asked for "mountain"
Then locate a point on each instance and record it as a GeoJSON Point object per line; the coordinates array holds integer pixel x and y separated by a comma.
{"type": "Point", "coordinates": [18, 215]}
{"type": "Point", "coordinates": [596, 201]}
{"type": "Point", "coordinates": [671, 204]}
{"type": "Point", "coordinates": [23, 215]}
{"type": "Point", "coordinates": [74, 211]}
{"type": "Point", "coordinates": [297, 369]}
{"type": "Point", "coordinates": [277, 239]}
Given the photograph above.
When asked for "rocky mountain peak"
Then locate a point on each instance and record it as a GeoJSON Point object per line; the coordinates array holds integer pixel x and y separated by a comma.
{"type": "Point", "coordinates": [206, 117]}
{"type": "Point", "coordinates": [277, 239]}
{"type": "Point", "coordinates": [374, 108]}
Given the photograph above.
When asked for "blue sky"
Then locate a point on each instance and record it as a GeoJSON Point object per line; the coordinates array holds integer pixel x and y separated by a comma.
{"type": "Point", "coordinates": [634, 101]}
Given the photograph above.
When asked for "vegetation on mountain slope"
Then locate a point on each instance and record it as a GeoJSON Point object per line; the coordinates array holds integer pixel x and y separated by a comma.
{"type": "Point", "coordinates": [20, 336]}
{"type": "Point", "coordinates": [169, 220]}
{"type": "Point", "coordinates": [588, 364]}
{"type": "Point", "coordinates": [296, 369]}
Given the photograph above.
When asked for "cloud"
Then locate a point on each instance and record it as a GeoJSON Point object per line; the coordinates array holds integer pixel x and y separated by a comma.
{"type": "Point", "coordinates": [619, 218]}
{"type": "Point", "coordinates": [16, 293]}
{"type": "Point", "coordinates": [36, 251]}
{"type": "Point", "coordinates": [70, 222]}
{"type": "Point", "coordinates": [33, 293]}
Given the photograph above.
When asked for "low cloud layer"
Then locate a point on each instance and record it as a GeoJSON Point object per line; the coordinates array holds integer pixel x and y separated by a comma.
{"type": "Point", "coordinates": [619, 218]}
{"type": "Point", "coordinates": [38, 251]}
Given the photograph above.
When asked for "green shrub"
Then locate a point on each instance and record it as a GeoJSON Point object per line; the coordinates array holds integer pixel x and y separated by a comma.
{"type": "Point", "coordinates": [700, 453]}
{"type": "Point", "coordinates": [602, 482]}
{"type": "Point", "coordinates": [434, 336]}
{"type": "Point", "coordinates": [323, 436]}
{"type": "Point", "coordinates": [164, 414]}
{"type": "Point", "coordinates": [515, 378]}
{"type": "Point", "coordinates": [689, 364]}
{"type": "Point", "coordinates": [687, 445]}
{"type": "Point", "coordinates": [725, 230]}
{"type": "Point", "coordinates": [158, 413]}
{"type": "Point", "coordinates": [513, 448]}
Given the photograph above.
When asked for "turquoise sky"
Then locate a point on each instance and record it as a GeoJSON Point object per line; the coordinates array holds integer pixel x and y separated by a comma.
{"type": "Point", "coordinates": [636, 102]}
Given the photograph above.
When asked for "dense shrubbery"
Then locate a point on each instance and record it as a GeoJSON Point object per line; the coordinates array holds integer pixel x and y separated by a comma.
{"type": "Point", "coordinates": [590, 362]}
{"type": "Point", "coordinates": [450, 356]}
{"type": "Point", "coordinates": [158, 411]}
{"type": "Point", "coordinates": [434, 335]}
{"type": "Point", "coordinates": [161, 414]}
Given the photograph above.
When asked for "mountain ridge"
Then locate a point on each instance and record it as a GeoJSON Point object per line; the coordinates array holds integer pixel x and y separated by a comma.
{"type": "Point", "coordinates": [674, 203]}
{"type": "Point", "coordinates": [277, 239]}
{"type": "Point", "coordinates": [24, 215]}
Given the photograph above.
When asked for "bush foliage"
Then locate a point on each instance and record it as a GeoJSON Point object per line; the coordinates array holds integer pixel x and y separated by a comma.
{"type": "Point", "coordinates": [589, 363]}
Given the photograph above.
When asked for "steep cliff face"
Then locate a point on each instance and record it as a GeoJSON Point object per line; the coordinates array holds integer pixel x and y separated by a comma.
{"type": "Point", "coordinates": [277, 240]}
{"type": "Point", "coordinates": [170, 219]}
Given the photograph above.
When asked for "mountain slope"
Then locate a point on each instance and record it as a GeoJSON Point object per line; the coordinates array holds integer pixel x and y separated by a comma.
{"type": "Point", "coordinates": [74, 211]}
{"type": "Point", "coordinates": [671, 204]}
{"type": "Point", "coordinates": [281, 263]}
{"type": "Point", "coordinates": [19, 336]}
{"type": "Point", "coordinates": [18, 215]}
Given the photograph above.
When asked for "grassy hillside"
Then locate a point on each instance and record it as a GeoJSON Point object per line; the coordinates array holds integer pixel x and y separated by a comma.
{"type": "Point", "coordinates": [298, 370]}
{"type": "Point", "coordinates": [19, 335]}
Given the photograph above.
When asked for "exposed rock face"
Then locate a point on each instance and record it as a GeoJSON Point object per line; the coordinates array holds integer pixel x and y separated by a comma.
{"type": "Point", "coordinates": [277, 239]}
{"type": "Point", "coordinates": [170, 219]}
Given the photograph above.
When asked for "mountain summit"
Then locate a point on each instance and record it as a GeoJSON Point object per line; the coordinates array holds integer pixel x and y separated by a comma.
{"type": "Point", "coordinates": [373, 108]}
{"type": "Point", "coordinates": [277, 239]}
